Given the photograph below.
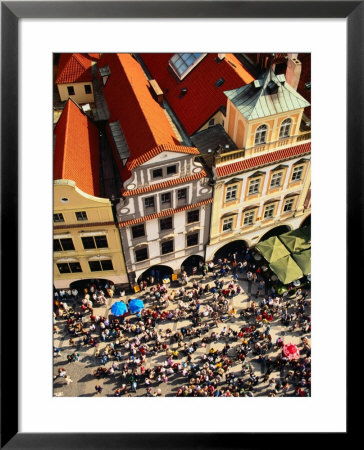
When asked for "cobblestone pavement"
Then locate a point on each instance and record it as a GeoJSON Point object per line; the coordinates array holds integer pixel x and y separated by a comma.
{"type": "Point", "coordinates": [81, 372]}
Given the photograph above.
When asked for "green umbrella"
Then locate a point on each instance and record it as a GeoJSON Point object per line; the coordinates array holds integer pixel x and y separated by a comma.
{"type": "Point", "coordinates": [296, 240]}
{"type": "Point", "coordinates": [303, 259]}
{"type": "Point", "coordinates": [286, 269]}
{"type": "Point", "coordinates": [272, 249]}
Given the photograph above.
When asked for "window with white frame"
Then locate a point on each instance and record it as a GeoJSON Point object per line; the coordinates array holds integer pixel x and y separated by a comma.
{"type": "Point", "coordinates": [101, 265]}
{"type": "Point", "coordinates": [285, 129]}
{"type": "Point", "coordinates": [227, 224]}
{"type": "Point", "coordinates": [276, 179]}
{"type": "Point", "coordinates": [141, 254]}
{"type": "Point", "coordinates": [182, 194]}
{"type": "Point", "coordinates": [166, 200]}
{"type": "Point", "coordinates": [261, 135]}
{"type": "Point", "coordinates": [297, 173]}
{"type": "Point", "coordinates": [149, 203]}
{"type": "Point", "coordinates": [254, 186]}
{"type": "Point", "coordinates": [58, 217]}
{"type": "Point", "coordinates": [231, 193]}
{"type": "Point", "coordinates": [167, 247]}
{"type": "Point", "coordinates": [288, 205]}
{"type": "Point", "coordinates": [249, 218]}
{"type": "Point", "coordinates": [269, 211]}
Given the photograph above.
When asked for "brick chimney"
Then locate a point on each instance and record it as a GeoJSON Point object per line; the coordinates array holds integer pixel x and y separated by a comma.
{"type": "Point", "coordinates": [293, 71]}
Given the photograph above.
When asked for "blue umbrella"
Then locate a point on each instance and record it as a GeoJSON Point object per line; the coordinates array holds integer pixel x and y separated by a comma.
{"type": "Point", "coordinates": [136, 305]}
{"type": "Point", "coordinates": [119, 308]}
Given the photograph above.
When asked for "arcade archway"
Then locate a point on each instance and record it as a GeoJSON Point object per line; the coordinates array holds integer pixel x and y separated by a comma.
{"type": "Point", "coordinates": [227, 250]}
{"type": "Point", "coordinates": [191, 262]}
{"type": "Point", "coordinates": [306, 222]}
{"type": "Point", "coordinates": [158, 272]}
{"type": "Point", "coordinates": [275, 232]}
{"type": "Point", "coordinates": [100, 283]}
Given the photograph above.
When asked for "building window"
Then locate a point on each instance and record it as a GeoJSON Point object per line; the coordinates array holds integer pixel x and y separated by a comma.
{"type": "Point", "coordinates": [182, 194]}
{"type": "Point", "coordinates": [138, 231]}
{"type": "Point", "coordinates": [269, 211]}
{"type": "Point", "coordinates": [70, 90]}
{"type": "Point", "coordinates": [73, 267]}
{"type": "Point", "coordinates": [193, 216]}
{"type": "Point", "coordinates": [192, 239]}
{"type": "Point", "coordinates": [149, 202]}
{"type": "Point", "coordinates": [157, 173]}
{"type": "Point", "coordinates": [285, 128]}
{"type": "Point", "coordinates": [166, 224]}
{"type": "Point", "coordinates": [94, 242]}
{"type": "Point", "coordinates": [167, 247]}
{"type": "Point", "coordinates": [64, 245]}
{"type": "Point", "coordinates": [261, 135]}
{"type": "Point", "coordinates": [227, 224]}
{"type": "Point", "coordinates": [254, 186]}
{"type": "Point", "coordinates": [297, 173]}
{"type": "Point", "coordinates": [231, 193]}
{"type": "Point", "coordinates": [288, 205]}
{"type": "Point", "coordinates": [276, 179]}
{"type": "Point", "coordinates": [81, 215]}
{"type": "Point", "coordinates": [166, 200]}
{"type": "Point", "coordinates": [249, 218]}
{"type": "Point", "coordinates": [171, 170]}
{"type": "Point", "coordinates": [88, 89]}
{"type": "Point", "coordinates": [211, 122]}
{"type": "Point", "coordinates": [98, 266]}
{"type": "Point", "coordinates": [181, 62]}
{"type": "Point", "coordinates": [58, 217]}
{"type": "Point", "coordinates": [141, 254]}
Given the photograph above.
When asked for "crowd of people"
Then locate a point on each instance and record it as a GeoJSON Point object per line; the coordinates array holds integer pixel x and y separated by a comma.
{"type": "Point", "coordinates": [196, 337]}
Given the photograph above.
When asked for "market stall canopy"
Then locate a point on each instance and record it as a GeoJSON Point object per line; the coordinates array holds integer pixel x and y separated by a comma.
{"type": "Point", "coordinates": [296, 240]}
{"type": "Point", "coordinates": [119, 309]}
{"type": "Point", "coordinates": [136, 305]}
{"type": "Point", "coordinates": [286, 269]}
{"type": "Point", "coordinates": [272, 249]}
{"type": "Point", "coordinates": [303, 260]}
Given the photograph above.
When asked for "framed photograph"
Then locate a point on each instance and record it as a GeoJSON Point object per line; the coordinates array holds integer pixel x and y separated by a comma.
{"type": "Point", "coordinates": [31, 34]}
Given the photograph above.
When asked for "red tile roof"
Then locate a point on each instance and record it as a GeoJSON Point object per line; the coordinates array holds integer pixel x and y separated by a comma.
{"type": "Point", "coordinates": [76, 152]}
{"type": "Point", "coordinates": [263, 160]}
{"type": "Point", "coordinates": [166, 212]}
{"type": "Point", "coordinates": [144, 123]}
{"type": "Point", "coordinates": [74, 67]}
{"type": "Point", "coordinates": [203, 98]}
{"type": "Point", "coordinates": [164, 184]}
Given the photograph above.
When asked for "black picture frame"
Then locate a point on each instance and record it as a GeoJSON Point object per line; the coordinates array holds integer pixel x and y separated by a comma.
{"type": "Point", "coordinates": [11, 12]}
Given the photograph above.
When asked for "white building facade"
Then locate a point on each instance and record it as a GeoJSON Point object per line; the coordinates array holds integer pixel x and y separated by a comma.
{"type": "Point", "coordinates": [164, 214]}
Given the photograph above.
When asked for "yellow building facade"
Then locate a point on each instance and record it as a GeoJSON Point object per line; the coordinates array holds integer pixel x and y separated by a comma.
{"type": "Point", "coordinates": [86, 240]}
{"type": "Point", "coordinates": [266, 181]}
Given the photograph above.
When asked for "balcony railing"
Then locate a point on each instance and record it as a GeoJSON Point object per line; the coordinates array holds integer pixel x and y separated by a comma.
{"type": "Point", "coordinates": [258, 149]}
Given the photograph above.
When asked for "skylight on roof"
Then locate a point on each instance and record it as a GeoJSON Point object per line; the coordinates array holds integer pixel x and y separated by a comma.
{"type": "Point", "coordinates": [183, 63]}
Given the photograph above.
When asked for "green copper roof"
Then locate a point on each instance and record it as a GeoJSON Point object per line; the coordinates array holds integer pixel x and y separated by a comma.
{"type": "Point", "coordinates": [265, 97]}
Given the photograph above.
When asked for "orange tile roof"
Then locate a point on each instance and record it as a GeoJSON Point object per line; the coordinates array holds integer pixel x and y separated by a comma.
{"type": "Point", "coordinates": [263, 160]}
{"type": "Point", "coordinates": [74, 67]}
{"type": "Point", "coordinates": [164, 184]}
{"type": "Point", "coordinates": [203, 97]}
{"type": "Point", "coordinates": [144, 123]}
{"type": "Point", "coordinates": [166, 212]}
{"type": "Point", "coordinates": [76, 152]}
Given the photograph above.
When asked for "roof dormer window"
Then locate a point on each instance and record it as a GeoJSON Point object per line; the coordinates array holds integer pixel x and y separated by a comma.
{"type": "Point", "coordinates": [183, 63]}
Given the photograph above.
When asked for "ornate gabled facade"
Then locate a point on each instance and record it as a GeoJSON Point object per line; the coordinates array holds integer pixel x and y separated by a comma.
{"type": "Point", "coordinates": [165, 204]}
